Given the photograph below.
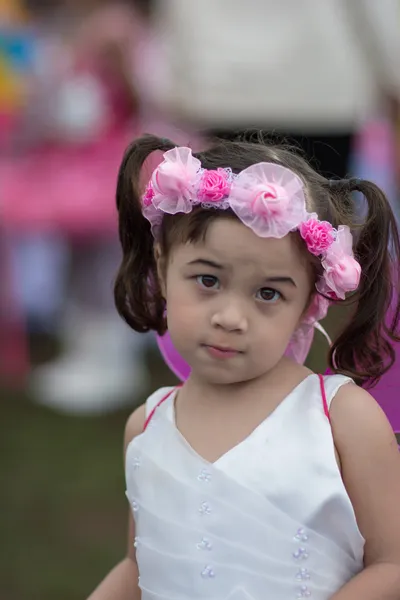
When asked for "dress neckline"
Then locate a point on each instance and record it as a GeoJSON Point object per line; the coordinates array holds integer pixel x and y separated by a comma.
{"type": "Point", "coordinates": [278, 410]}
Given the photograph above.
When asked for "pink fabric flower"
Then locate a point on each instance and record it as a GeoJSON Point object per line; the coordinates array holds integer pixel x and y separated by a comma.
{"type": "Point", "coordinates": [148, 194]}
{"type": "Point", "coordinates": [214, 185]}
{"type": "Point", "coordinates": [174, 181]}
{"type": "Point", "coordinates": [318, 235]}
{"type": "Point", "coordinates": [269, 199]}
{"type": "Point", "coordinates": [343, 276]}
{"type": "Point", "coordinates": [342, 272]}
{"type": "Point", "coordinates": [266, 197]}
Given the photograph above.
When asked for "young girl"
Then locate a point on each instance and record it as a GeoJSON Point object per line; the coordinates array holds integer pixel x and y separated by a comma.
{"type": "Point", "coordinates": [257, 478]}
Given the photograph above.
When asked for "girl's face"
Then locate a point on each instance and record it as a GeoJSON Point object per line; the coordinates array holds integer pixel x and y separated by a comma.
{"type": "Point", "coordinates": [234, 300]}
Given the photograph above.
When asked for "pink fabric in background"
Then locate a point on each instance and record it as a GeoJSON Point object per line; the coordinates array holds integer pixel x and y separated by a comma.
{"type": "Point", "coordinates": [386, 392]}
{"type": "Point", "coordinates": [59, 188]}
{"type": "Point", "coordinates": [374, 159]}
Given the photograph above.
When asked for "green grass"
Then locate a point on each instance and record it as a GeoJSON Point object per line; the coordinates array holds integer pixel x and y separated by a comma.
{"type": "Point", "coordinates": [62, 505]}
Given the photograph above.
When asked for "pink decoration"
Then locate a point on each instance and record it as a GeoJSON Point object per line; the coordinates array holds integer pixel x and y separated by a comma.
{"type": "Point", "coordinates": [269, 199]}
{"type": "Point", "coordinates": [148, 195]}
{"type": "Point", "coordinates": [343, 276]}
{"type": "Point", "coordinates": [173, 359]}
{"type": "Point", "coordinates": [174, 181]}
{"type": "Point", "coordinates": [325, 290]}
{"type": "Point", "coordinates": [154, 217]}
{"type": "Point", "coordinates": [302, 338]}
{"type": "Point", "coordinates": [318, 235]}
{"type": "Point", "coordinates": [342, 271]}
{"type": "Point", "coordinates": [317, 310]}
{"type": "Point", "coordinates": [214, 185]}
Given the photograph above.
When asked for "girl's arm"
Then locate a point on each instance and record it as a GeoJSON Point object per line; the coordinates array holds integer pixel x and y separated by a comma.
{"type": "Point", "coordinates": [122, 582]}
{"type": "Point", "coordinates": [370, 462]}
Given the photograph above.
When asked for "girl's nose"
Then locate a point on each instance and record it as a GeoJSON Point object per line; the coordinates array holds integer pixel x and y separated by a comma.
{"type": "Point", "coordinates": [231, 318]}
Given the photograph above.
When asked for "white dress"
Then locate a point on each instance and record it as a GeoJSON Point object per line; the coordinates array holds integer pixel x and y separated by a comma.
{"type": "Point", "coordinates": [270, 519]}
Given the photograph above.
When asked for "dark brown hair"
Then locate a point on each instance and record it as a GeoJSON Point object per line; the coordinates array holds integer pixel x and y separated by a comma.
{"type": "Point", "coordinates": [363, 350]}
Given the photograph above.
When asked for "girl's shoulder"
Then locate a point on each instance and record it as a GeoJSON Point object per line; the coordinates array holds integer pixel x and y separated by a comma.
{"type": "Point", "coordinates": [353, 402]}
{"type": "Point", "coordinates": [358, 420]}
{"type": "Point", "coordinates": [136, 422]}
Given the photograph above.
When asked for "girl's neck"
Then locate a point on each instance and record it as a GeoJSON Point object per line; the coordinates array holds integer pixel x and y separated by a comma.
{"type": "Point", "coordinates": [200, 392]}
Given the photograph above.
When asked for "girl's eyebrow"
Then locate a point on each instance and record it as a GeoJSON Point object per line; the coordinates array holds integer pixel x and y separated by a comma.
{"type": "Point", "coordinates": [281, 280]}
{"type": "Point", "coordinates": [206, 263]}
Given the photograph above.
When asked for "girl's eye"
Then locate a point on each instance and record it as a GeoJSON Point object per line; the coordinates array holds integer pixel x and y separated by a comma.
{"type": "Point", "coordinates": [268, 295]}
{"type": "Point", "coordinates": [209, 282]}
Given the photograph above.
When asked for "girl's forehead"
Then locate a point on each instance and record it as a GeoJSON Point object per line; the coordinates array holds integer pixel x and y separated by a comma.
{"type": "Point", "coordinates": [233, 245]}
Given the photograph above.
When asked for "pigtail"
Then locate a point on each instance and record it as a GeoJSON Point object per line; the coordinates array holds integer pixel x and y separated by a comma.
{"type": "Point", "coordinates": [364, 350]}
{"type": "Point", "coordinates": [137, 292]}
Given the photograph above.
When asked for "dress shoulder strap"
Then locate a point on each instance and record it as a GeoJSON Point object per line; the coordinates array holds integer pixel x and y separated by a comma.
{"type": "Point", "coordinates": [155, 398]}
{"type": "Point", "coordinates": [154, 401]}
{"type": "Point", "coordinates": [331, 385]}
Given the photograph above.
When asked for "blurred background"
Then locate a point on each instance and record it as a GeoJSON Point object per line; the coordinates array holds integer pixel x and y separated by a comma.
{"type": "Point", "coordinates": [78, 81]}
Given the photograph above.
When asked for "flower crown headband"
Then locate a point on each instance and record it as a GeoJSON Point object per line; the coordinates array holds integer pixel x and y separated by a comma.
{"type": "Point", "coordinates": [266, 197]}
{"type": "Point", "coordinates": [270, 199]}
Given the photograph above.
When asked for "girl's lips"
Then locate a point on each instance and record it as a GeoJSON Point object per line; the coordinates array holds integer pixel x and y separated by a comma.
{"type": "Point", "coordinates": [221, 352]}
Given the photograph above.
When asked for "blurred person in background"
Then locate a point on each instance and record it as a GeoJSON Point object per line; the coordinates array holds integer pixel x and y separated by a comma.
{"type": "Point", "coordinates": [81, 107]}
{"type": "Point", "coordinates": [313, 72]}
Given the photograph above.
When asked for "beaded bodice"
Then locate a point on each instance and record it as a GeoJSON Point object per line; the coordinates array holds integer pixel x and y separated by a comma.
{"type": "Point", "coordinates": [270, 518]}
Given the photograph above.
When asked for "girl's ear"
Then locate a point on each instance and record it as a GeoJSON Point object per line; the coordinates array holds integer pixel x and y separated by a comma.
{"type": "Point", "coordinates": [161, 268]}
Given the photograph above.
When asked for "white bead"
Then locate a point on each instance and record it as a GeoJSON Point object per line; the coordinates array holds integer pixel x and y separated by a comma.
{"type": "Point", "coordinates": [135, 506]}
{"type": "Point", "coordinates": [304, 592]}
{"type": "Point", "coordinates": [303, 574]}
{"type": "Point", "coordinates": [300, 554]}
{"type": "Point", "coordinates": [136, 542]}
{"type": "Point", "coordinates": [137, 463]}
{"type": "Point", "coordinates": [208, 573]}
{"type": "Point", "coordinates": [204, 476]}
{"type": "Point", "coordinates": [301, 535]}
{"type": "Point", "coordinates": [205, 544]}
{"type": "Point", "coordinates": [205, 508]}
